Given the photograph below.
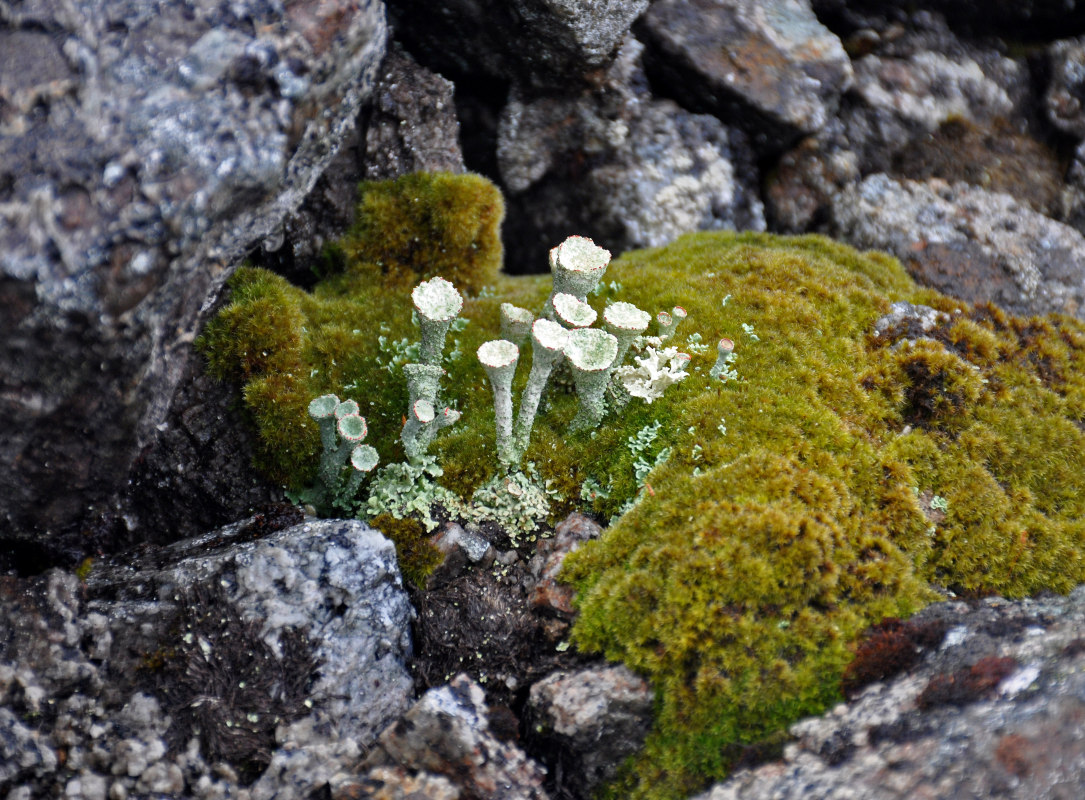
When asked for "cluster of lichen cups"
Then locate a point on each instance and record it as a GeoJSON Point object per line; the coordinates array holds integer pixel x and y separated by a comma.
{"type": "Point", "coordinates": [561, 333]}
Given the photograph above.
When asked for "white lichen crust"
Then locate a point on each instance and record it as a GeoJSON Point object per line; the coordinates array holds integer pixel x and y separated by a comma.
{"type": "Point", "coordinates": [654, 372]}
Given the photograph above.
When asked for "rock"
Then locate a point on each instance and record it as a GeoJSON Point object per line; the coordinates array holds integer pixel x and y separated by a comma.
{"type": "Point", "coordinates": [460, 548]}
{"type": "Point", "coordinates": [542, 44]}
{"type": "Point", "coordinates": [595, 717]}
{"type": "Point", "coordinates": [446, 733]}
{"type": "Point", "coordinates": [549, 595]}
{"type": "Point", "coordinates": [923, 103]}
{"type": "Point", "coordinates": [975, 245]}
{"type": "Point", "coordinates": [1066, 89]}
{"type": "Point", "coordinates": [1007, 729]}
{"type": "Point", "coordinates": [619, 166]}
{"type": "Point", "coordinates": [145, 148]}
{"type": "Point", "coordinates": [282, 651]}
{"type": "Point", "coordinates": [769, 67]}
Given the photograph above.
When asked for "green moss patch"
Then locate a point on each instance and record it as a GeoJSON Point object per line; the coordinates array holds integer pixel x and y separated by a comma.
{"type": "Point", "coordinates": [763, 521]}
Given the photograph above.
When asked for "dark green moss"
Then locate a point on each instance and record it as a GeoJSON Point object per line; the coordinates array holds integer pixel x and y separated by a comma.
{"type": "Point", "coordinates": [833, 484]}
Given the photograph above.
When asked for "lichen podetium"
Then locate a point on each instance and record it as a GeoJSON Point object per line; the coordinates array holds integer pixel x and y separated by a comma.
{"type": "Point", "coordinates": [759, 549]}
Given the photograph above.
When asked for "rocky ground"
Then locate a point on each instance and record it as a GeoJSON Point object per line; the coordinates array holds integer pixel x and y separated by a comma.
{"type": "Point", "coordinates": [146, 148]}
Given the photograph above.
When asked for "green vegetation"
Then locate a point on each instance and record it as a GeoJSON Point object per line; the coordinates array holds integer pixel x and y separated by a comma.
{"type": "Point", "coordinates": [832, 478]}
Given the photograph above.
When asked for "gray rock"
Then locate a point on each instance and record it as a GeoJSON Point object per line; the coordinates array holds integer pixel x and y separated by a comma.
{"type": "Point", "coordinates": [543, 44]}
{"type": "Point", "coordinates": [1066, 89]}
{"type": "Point", "coordinates": [598, 717]}
{"type": "Point", "coordinates": [768, 66]}
{"type": "Point", "coordinates": [911, 84]}
{"type": "Point", "coordinates": [1012, 733]}
{"type": "Point", "coordinates": [618, 166]}
{"type": "Point", "coordinates": [85, 669]}
{"type": "Point", "coordinates": [337, 581]}
{"type": "Point", "coordinates": [446, 733]}
{"type": "Point", "coordinates": [145, 148]}
{"type": "Point", "coordinates": [976, 245]}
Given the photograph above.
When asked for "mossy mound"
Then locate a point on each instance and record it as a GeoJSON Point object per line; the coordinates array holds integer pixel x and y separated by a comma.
{"type": "Point", "coordinates": [855, 473]}
{"type": "Point", "coordinates": [833, 483]}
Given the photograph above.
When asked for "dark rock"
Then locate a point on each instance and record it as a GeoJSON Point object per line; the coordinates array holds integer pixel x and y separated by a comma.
{"type": "Point", "coordinates": [770, 68]}
{"type": "Point", "coordinates": [446, 733]}
{"type": "Point", "coordinates": [1065, 96]}
{"type": "Point", "coordinates": [619, 166]}
{"type": "Point", "coordinates": [543, 44]}
{"type": "Point", "coordinates": [549, 595]}
{"type": "Point", "coordinates": [145, 147]}
{"type": "Point", "coordinates": [595, 718]}
{"type": "Point", "coordinates": [409, 125]}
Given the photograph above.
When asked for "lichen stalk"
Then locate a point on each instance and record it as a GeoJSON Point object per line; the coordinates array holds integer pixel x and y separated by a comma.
{"type": "Point", "coordinates": [499, 358]}
{"type": "Point", "coordinates": [548, 340]}
{"type": "Point", "coordinates": [591, 354]}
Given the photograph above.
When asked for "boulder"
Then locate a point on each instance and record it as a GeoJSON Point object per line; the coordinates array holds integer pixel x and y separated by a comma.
{"type": "Point", "coordinates": [146, 147]}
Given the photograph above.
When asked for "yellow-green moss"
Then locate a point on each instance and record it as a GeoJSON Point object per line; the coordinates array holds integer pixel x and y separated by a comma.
{"type": "Point", "coordinates": [427, 224]}
{"type": "Point", "coordinates": [795, 507]}
{"type": "Point", "coordinates": [417, 557]}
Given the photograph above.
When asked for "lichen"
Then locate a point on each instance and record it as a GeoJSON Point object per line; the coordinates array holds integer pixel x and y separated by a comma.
{"type": "Point", "coordinates": [795, 507]}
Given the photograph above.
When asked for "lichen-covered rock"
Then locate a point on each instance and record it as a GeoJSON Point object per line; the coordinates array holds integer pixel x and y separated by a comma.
{"type": "Point", "coordinates": [769, 67]}
{"type": "Point", "coordinates": [924, 103]}
{"type": "Point", "coordinates": [246, 656]}
{"type": "Point", "coordinates": [146, 147]}
{"type": "Point", "coordinates": [977, 245]}
{"type": "Point", "coordinates": [620, 166]}
{"type": "Point", "coordinates": [446, 733]}
{"type": "Point", "coordinates": [1010, 734]}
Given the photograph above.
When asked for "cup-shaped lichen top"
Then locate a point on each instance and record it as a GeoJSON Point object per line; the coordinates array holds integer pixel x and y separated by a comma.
{"type": "Point", "coordinates": [515, 323]}
{"type": "Point", "coordinates": [437, 300]}
{"type": "Point", "coordinates": [352, 428]}
{"type": "Point", "coordinates": [625, 322]}
{"type": "Point", "coordinates": [548, 339]}
{"type": "Point", "coordinates": [323, 407]}
{"type": "Point", "coordinates": [499, 356]}
{"type": "Point", "coordinates": [346, 409]}
{"type": "Point", "coordinates": [590, 350]}
{"type": "Point", "coordinates": [364, 458]}
{"type": "Point", "coordinates": [437, 303]}
{"type": "Point", "coordinates": [578, 264]}
{"type": "Point", "coordinates": [423, 411]}
{"type": "Point", "coordinates": [573, 312]}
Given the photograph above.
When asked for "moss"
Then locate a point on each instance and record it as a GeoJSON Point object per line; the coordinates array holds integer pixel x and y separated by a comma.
{"type": "Point", "coordinates": [417, 557]}
{"type": "Point", "coordinates": [796, 507]}
{"type": "Point", "coordinates": [426, 224]}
